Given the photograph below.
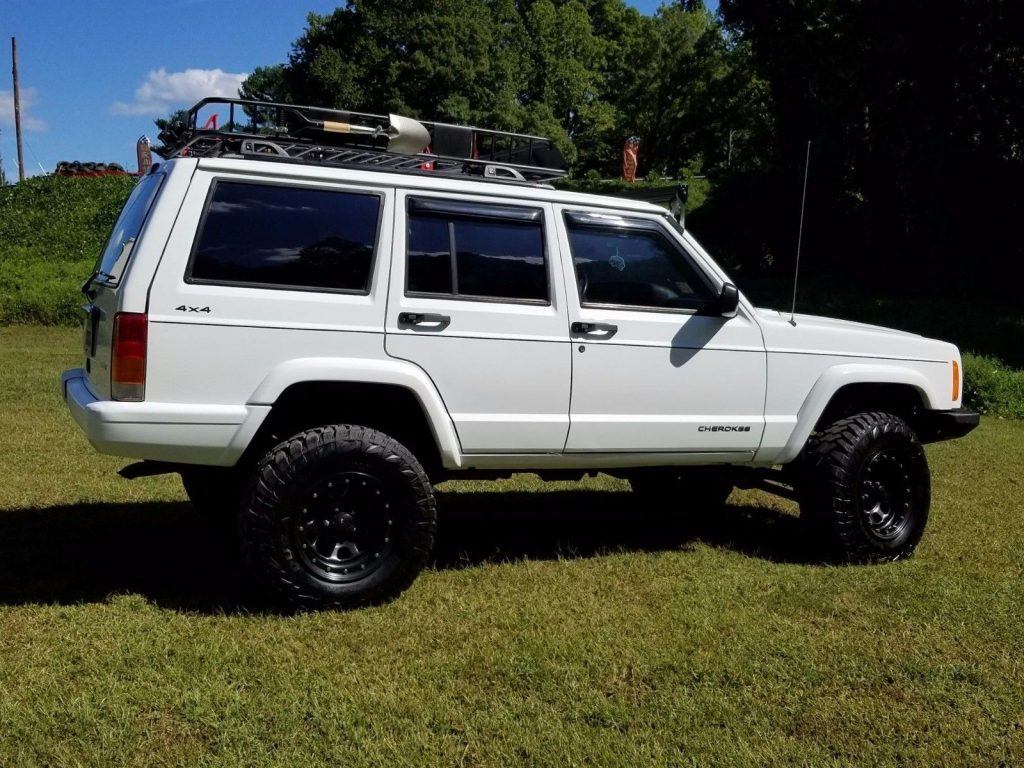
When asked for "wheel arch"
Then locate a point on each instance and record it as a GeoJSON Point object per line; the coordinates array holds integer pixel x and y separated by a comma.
{"type": "Point", "coordinates": [392, 396]}
{"type": "Point", "coordinates": [902, 390]}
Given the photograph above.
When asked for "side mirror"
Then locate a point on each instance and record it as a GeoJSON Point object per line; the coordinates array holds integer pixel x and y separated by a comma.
{"type": "Point", "coordinates": [728, 300]}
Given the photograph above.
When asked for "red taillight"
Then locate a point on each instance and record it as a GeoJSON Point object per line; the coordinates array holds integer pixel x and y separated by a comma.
{"type": "Point", "coordinates": [128, 356]}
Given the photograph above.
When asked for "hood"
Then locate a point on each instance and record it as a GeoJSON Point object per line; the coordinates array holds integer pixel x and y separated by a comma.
{"type": "Point", "coordinates": [825, 335]}
{"type": "Point", "coordinates": [816, 321]}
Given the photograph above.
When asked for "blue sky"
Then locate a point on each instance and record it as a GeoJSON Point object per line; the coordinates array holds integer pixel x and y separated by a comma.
{"type": "Point", "coordinates": [95, 73]}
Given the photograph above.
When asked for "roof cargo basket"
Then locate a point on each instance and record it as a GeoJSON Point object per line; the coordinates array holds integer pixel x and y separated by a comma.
{"type": "Point", "coordinates": [266, 130]}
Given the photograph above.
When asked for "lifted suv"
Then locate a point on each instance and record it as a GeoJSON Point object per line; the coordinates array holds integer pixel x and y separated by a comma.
{"type": "Point", "coordinates": [312, 339]}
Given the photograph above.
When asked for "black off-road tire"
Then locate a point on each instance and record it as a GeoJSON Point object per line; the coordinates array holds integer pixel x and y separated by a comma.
{"type": "Point", "coordinates": [337, 517]}
{"type": "Point", "coordinates": [688, 489]}
{"type": "Point", "coordinates": [865, 488]}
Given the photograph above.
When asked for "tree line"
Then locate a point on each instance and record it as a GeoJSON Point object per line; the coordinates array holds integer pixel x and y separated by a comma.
{"type": "Point", "coordinates": [913, 110]}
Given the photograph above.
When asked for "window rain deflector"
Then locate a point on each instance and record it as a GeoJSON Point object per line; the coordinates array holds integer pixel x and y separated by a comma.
{"type": "Point", "coordinates": [469, 209]}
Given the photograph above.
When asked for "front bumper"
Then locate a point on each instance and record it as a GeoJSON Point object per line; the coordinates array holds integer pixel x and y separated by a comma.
{"type": "Point", "coordinates": [172, 432]}
{"type": "Point", "coordinates": [946, 425]}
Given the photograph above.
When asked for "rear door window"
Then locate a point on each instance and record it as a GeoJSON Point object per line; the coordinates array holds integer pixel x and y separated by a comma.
{"type": "Point", "coordinates": [277, 236]}
{"type": "Point", "coordinates": [476, 251]}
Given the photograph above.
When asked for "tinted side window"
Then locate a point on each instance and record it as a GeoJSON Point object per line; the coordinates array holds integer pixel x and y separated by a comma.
{"type": "Point", "coordinates": [287, 237]}
{"type": "Point", "coordinates": [634, 268]}
{"type": "Point", "coordinates": [430, 259]}
{"type": "Point", "coordinates": [476, 256]}
{"type": "Point", "coordinates": [126, 231]}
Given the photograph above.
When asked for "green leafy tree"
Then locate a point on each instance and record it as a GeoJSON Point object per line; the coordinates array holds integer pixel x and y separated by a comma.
{"type": "Point", "coordinates": [170, 130]}
{"type": "Point", "coordinates": [540, 66]}
{"type": "Point", "coordinates": [588, 73]}
{"type": "Point", "coordinates": [267, 84]}
{"type": "Point", "coordinates": [915, 113]}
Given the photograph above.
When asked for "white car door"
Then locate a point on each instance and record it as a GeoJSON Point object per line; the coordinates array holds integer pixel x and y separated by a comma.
{"type": "Point", "coordinates": [654, 371]}
{"type": "Point", "coordinates": [477, 300]}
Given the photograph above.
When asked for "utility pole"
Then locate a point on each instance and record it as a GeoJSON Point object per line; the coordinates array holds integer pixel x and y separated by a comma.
{"type": "Point", "coordinates": [17, 107]}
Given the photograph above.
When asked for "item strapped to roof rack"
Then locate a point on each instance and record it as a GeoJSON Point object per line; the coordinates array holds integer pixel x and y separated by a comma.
{"type": "Point", "coordinates": [287, 132]}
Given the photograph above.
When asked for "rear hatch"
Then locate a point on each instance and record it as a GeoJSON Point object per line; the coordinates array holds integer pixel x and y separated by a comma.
{"type": "Point", "coordinates": [100, 291]}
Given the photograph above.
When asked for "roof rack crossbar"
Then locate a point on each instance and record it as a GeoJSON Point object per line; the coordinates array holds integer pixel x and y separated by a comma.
{"type": "Point", "coordinates": [287, 132]}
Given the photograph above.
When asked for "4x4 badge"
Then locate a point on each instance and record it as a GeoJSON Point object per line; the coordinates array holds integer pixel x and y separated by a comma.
{"type": "Point", "coordinates": [186, 308]}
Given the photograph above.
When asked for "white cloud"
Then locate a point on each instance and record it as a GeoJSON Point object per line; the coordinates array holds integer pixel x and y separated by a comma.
{"type": "Point", "coordinates": [163, 91]}
{"type": "Point", "coordinates": [29, 122]}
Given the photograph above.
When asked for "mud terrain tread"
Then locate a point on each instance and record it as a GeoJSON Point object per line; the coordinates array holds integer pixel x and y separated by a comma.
{"type": "Point", "coordinates": [829, 494]}
{"type": "Point", "coordinates": [284, 465]}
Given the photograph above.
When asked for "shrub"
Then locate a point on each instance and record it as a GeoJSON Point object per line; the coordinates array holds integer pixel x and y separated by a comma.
{"type": "Point", "coordinates": [64, 218]}
{"type": "Point", "coordinates": [992, 388]}
{"type": "Point", "coordinates": [51, 230]}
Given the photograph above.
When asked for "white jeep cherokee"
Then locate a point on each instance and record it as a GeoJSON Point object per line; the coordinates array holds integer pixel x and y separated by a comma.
{"type": "Point", "coordinates": [311, 345]}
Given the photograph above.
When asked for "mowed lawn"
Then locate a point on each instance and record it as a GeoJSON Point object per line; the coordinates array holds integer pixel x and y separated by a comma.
{"type": "Point", "coordinates": [560, 625]}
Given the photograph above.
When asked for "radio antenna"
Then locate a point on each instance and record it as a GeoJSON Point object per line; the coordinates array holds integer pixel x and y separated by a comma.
{"type": "Point", "coordinates": [800, 236]}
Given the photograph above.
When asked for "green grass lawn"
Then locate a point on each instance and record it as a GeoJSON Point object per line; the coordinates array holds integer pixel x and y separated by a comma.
{"type": "Point", "coordinates": [558, 626]}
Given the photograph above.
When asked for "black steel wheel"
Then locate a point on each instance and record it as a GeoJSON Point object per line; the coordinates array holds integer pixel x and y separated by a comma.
{"type": "Point", "coordinates": [866, 488]}
{"type": "Point", "coordinates": [886, 495]}
{"type": "Point", "coordinates": [337, 517]}
{"type": "Point", "coordinates": [344, 529]}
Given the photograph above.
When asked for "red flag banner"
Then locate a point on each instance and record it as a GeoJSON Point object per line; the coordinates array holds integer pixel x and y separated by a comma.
{"type": "Point", "coordinates": [630, 151]}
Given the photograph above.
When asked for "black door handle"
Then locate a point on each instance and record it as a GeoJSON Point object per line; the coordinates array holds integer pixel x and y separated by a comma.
{"type": "Point", "coordinates": [589, 329]}
{"type": "Point", "coordinates": [424, 318]}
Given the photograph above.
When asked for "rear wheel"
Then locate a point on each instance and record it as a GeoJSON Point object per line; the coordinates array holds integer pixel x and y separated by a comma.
{"type": "Point", "coordinates": [337, 517]}
{"type": "Point", "coordinates": [866, 488]}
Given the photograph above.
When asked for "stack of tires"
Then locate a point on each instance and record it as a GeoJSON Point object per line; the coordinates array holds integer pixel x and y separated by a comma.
{"type": "Point", "coordinates": [76, 168]}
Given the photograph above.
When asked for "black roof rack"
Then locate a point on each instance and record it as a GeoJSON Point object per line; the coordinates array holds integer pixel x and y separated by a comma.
{"type": "Point", "coordinates": [286, 132]}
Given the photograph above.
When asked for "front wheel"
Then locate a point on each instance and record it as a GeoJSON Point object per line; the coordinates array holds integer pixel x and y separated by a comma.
{"type": "Point", "coordinates": [337, 517]}
{"type": "Point", "coordinates": [866, 488]}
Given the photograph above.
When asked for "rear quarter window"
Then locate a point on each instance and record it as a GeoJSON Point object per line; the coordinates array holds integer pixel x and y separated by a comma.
{"type": "Point", "coordinates": [118, 250]}
{"type": "Point", "coordinates": [276, 236]}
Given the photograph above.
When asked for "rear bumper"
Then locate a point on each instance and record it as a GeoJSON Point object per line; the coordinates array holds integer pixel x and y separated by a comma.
{"type": "Point", "coordinates": [946, 425]}
{"type": "Point", "coordinates": [172, 432]}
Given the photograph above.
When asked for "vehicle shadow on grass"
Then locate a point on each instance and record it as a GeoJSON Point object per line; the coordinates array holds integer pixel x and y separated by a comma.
{"type": "Point", "coordinates": [174, 558]}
